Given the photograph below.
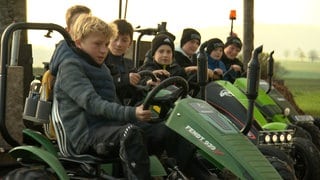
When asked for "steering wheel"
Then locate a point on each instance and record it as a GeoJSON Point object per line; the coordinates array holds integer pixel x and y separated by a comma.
{"type": "Point", "coordinates": [230, 74]}
{"type": "Point", "coordinates": [176, 86]}
{"type": "Point", "coordinates": [141, 90]}
{"type": "Point", "coordinates": [145, 74]}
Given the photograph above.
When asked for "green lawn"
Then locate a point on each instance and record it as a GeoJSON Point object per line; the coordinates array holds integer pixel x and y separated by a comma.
{"type": "Point", "coordinates": [301, 70]}
{"type": "Point", "coordinates": [306, 93]}
{"type": "Point", "coordinates": [303, 80]}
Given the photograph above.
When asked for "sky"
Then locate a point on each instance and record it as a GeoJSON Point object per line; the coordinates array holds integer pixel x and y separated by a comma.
{"type": "Point", "coordinates": [294, 21]}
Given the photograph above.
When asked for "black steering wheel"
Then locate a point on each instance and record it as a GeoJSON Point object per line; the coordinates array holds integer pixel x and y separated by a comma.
{"type": "Point", "coordinates": [178, 88]}
{"type": "Point", "coordinates": [145, 74]}
{"type": "Point", "coordinates": [231, 75]}
{"type": "Point", "coordinates": [141, 89]}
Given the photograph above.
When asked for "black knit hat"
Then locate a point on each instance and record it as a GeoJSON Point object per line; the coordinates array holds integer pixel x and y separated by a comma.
{"type": "Point", "coordinates": [170, 35]}
{"type": "Point", "coordinates": [189, 34]}
{"type": "Point", "coordinates": [235, 41]}
{"type": "Point", "coordinates": [159, 40]}
{"type": "Point", "coordinates": [213, 44]}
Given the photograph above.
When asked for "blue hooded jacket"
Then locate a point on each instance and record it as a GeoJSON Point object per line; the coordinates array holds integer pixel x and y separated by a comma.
{"type": "Point", "coordinates": [86, 96]}
{"type": "Point", "coordinates": [213, 64]}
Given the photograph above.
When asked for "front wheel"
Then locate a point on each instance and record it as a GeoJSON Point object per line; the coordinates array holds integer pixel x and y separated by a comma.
{"type": "Point", "coordinates": [306, 157]}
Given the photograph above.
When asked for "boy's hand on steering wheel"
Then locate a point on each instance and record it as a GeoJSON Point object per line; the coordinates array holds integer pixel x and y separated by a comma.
{"type": "Point", "coordinates": [143, 115]}
{"type": "Point", "coordinates": [161, 72]}
{"type": "Point", "coordinates": [236, 67]}
{"type": "Point", "coordinates": [153, 83]}
{"type": "Point", "coordinates": [134, 78]}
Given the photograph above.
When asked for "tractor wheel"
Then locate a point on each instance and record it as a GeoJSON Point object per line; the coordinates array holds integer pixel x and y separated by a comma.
{"type": "Point", "coordinates": [278, 153]}
{"type": "Point", "coordinates": [29, 173]}
{"type": "Point", "coordinates": [307, 159]}
{"type": "Point", "coordinates": [317, 121]}
{"type": "Point", "coordinates": [313, 131]}
{"type": "Point", "coordinates": [282, 167]}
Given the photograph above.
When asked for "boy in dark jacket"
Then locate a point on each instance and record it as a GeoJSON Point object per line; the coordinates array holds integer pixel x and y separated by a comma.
{"type": "Point", "coordinates": [85, 94]}
{"type": "Point", "coordinates": [214, 53]}
{"type": "Point", "coordinates": [162, 64]}
{"type": "Point", "coordinates": [122, 69]}
{"type": "Point", "coordinates": [231, 50]}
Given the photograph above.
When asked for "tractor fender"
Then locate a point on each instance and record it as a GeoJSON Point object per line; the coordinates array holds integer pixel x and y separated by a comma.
{"type": "Point", "coordinates": [275, 126]}
{"type": "Point", "coordinates": [33, 152]}
{"type": "Point", "coordinates": [38, 138]}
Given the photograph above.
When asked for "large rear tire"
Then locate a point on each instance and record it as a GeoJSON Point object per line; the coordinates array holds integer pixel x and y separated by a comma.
{"type": "Point", "coordinates": [307, 159]}
{"type": "Point", "coordinates": [276, 152]}
{"type": "Point", "coordinates": [29, 173]}
{"type": "Point", "coordinates": [282, 167]}
{"type": "Point", "coordinates": [314, 131]}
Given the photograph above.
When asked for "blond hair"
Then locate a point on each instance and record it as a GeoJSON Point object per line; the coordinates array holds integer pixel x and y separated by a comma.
{"type": "Point", "coordinates": [86, 24]}
{"type": "Point", "coordinates": [73, 12]}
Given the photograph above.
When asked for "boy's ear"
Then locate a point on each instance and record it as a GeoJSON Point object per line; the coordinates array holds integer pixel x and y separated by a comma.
{"type": "Point", "coordinates": [77, 43]}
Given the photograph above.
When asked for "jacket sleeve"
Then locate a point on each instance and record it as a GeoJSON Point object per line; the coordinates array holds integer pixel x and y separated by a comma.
{"type": "Point", "coordinates": [79, 88]}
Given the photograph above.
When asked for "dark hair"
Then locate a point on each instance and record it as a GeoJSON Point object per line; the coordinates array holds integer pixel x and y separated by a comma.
{"type": "Point", "coordinates": [124, 27]}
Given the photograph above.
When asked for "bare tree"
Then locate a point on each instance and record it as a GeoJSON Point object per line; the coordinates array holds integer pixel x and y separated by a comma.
{"type": "Point", "coordinates": [300, 54]}
{"type": "Point", "coordinates": [313, 55]}
{"type": "Point", "coordinates": [248, 35]}
{"type": "Point", "coordinates": [286, 53]}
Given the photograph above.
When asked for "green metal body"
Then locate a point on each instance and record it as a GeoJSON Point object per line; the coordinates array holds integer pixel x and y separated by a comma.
{"type": "Point", "coordinates": [40, 140]}
{"type": "Point", "coordinates": [219, 140]}
{"type": "Point", "coordinates": [36, 153]}
{"type": "Point", "coordinates": [242, 98]}
{"type": "Point", "coordinates": [265, 103]}
{"type": "Point", "coordinates": [42, 146]}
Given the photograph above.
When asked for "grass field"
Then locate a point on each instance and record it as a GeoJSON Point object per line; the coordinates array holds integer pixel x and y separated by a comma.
{"type": "Point", "coordinates": [301, 70]}
{"type": "Point", "coordinates": [303, 80]}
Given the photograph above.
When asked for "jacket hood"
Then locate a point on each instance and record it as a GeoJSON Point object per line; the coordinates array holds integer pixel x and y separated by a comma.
{"type": "Point", "coordinates": [62, 51]}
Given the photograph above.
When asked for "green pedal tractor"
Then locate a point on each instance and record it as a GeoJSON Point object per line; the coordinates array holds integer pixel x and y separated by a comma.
{"type": "Point", "coordinates": [233, 102]}
{"type": "Point", "coordinates": [218, 141]}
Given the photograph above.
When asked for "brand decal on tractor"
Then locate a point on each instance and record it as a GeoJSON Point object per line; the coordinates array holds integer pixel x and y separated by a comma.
{"type": "Point", "coordinates": [203, 140]}
{"type": "Point", "coordinates": [225, 93]}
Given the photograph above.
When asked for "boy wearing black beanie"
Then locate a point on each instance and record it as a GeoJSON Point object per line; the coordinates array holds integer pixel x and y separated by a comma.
{"type": "Point", "coordinates": [231, 50]}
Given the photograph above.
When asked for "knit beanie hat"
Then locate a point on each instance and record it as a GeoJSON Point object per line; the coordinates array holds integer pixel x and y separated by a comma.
{"type": "Point", "coordinates": [170, 35]}
{"type": "Point", "coordinates": [189, 34]}
{"type": "Point", "coordinates": [213, 44]}
{"type": "Point", "coordinates": [235, 41]}
{"type": "Point", "coordinates": [159, 40]}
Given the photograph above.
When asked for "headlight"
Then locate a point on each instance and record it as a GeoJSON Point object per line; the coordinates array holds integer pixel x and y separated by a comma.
{"type": "Point", "coordinates": [282, 138]}
{"type": "Point", "coordinates": [289, 137]}
{"type": "Point", "coordinates": [286, 112]}
{"type": "Point", "coordinates": [267, 139]}
{"type": "Point", "coordinates": [274, 138]}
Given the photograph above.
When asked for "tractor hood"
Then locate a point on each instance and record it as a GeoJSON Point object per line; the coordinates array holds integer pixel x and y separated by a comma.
{"type": "Point", "coordinates": [218, 140]}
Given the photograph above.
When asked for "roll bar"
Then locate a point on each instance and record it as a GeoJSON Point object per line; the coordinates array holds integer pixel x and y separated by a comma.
{"type": "Point", "coordinates": [4, 59]}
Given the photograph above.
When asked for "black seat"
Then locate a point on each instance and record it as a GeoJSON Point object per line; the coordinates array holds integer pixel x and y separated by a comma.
{"type": "Point", "coordinates": [89, 163]}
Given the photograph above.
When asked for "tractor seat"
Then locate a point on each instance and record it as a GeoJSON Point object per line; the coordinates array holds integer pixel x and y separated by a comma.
{"type": "Point", "coordinates": [89, 163]}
